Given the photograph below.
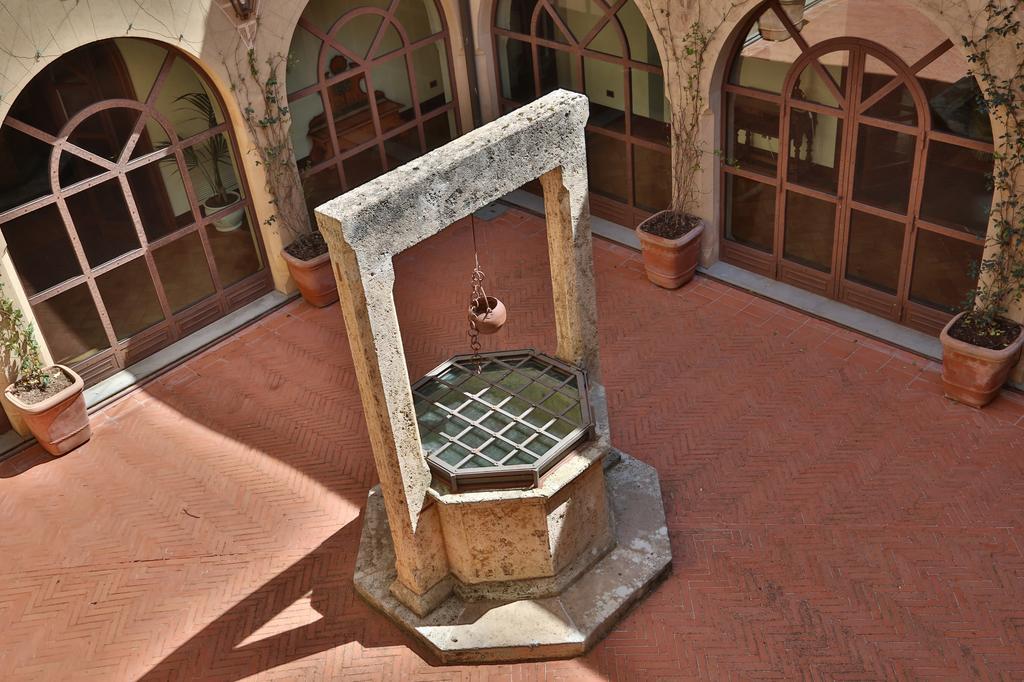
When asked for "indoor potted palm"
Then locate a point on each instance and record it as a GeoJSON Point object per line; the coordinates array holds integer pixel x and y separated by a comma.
{"type": "Point", "coordinates": [255, 81]}
{"type": "Point", "coordinates": [671, 239]}
{"type": "Point", "coordinates": [981, 345]}
{"type": "Point", "coordinates": [48, 399]}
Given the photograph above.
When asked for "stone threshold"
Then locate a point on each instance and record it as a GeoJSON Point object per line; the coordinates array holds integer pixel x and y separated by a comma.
{"type": "Point", "coordinates": [823, 308]}
{"type": "Point", "coordinates": [149, 368]}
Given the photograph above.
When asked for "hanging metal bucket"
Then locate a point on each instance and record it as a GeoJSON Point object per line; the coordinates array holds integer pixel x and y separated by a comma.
{"type": "Point", "coordinates": [488, 314]}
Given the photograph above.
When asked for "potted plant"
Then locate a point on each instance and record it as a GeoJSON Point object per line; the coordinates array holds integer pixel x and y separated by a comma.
{"type": "Point", "coordinates": [305, 251]}
{"type": "Point", "coordinates": [208, 158]}
{"type": "Point", "coordinates": [670, 240]}
{"type": "Point", "coordinates": [981, 345]}
{"type": "Point", "coordinates": [48, 399]}
{"type": "Point", "coordinates": [770, 26]}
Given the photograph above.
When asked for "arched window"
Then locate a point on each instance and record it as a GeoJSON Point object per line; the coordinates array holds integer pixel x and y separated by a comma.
{"type": "Point", "coordinates": [124, 205]}
{"type": "Point", "coordinates": [341, 52]}
{"type": "Point", "coordinates": [603, 49]}
{"type": "Point", "coordinates": [855, 160]}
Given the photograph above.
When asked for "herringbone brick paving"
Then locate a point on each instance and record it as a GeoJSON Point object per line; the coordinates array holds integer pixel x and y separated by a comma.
{"type": "Point", "coordinates": [831, 515]}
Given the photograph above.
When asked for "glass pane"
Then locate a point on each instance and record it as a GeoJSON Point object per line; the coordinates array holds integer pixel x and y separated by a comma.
{"type": "Point", "coordinates": [394, 98]}
{"type": "Point", "coordinates": [41, 250]}
{"type": "Point", "coordinates": [320, 188]}
{"type": "Point", "coordinates": [606, 166]}
{"type": "Point", "coordinates": [185, 100]}
{"type": "Point", "coordinates": [353, 123]}
{"type": "Point", "coordinates": [606, 87]}
{"type": "Point", "coordinates": [954, 98]}
{"type": "Point", "coordinates": [945, 270]}
{"type": "Point", "coordinates": [763, 64]}
{"type": "Point", "coordinates": [130, 298]}
{"type": "Point", "coordinates": [810, 231]}
{"type": "Point", "coordinates": [812, 88]}
{"type": "Point", "coordinates": [389, 42]}
{"type": "Point", "coordinates": [651, 111]}
{"type": "Point", "coordinates": [515, 67]}
{"type": "Point", "coordinates": [950, 166]}
{"type": "Point", "coordinates": [607, 41]}
{"type": "Point", "coordinates": [652, 175]}
{"type": "Point", "coordinates": [548, 28]}
{"type": "Point", "coordinates": [105, 133]}
{"type": "Point", "coordinates": [749, 212]}
{"type": "Point", "coordinates": [234, 249]}
{"type": "Point", "coordinates": [27, 179]}
{"type": "Point", "coordinates": [310, 137]}
{"type": "Point", "coordinates": [419, 18]}
{"type": "Point", "coordinates": [885, 164]}
{"type": "Point", "coordinates": [71, 326]}
{"type": "Point", "coordinates": [558, 69]}
{"type": "Point", "coordinates": [403, 147]}
{"type": "Point", "coordinates": [898, 106]}
{"type": "Point", "coordinates": [515, 15]}
{"type": "Point", "coordinates": [874, 251]}
{"type": "Point", "coordinates": [440, 130]}
{"type": "Point", "coordinates": [160, 198]}
{"type": "Point", "coordinates": [142, 59]}
{"type": "Point", "coordinates": [638, 35]}
{"type": "Point", "coordinates": [752, 141]}
{"type": "Point", "coordinates": [153, 137]}
{"type": "Point", "coordinates": [581, 16]}
{"type": "Point", "coordinates": [211, 165]}
{"type": "Point", "coordinates": [303, 54]}
{"type": "Point", "coordinates": [102, 222]}
{"type": "Point", "coordinates": [815, 150]}
{"type": "Point", "coordinates": [74, 169]}
{"type": "Point", "coordinates": [184, 271]}
{"type": "Point", "coordinates": [362, 167]}
{"type": "Point", "coordinates": [433, 85]}
{"type": "Point", "coordinates": [357, 34]}
{"type": "Point", "coordinates": [877, 74]}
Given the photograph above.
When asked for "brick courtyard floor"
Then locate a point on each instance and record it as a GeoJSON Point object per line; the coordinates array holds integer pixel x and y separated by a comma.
{"type": "Point", "coordinates": [831, 515]}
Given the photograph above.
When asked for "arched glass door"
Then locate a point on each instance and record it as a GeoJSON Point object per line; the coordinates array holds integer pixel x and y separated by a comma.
{"type": "Point", "coordinates": [857, 173]}
{"type": "Point", "coordinates": [124, 206]}
{"type": "Point", "coordinates": [603, 49]}
{"type": "Point", "coordinates": [341, 52]}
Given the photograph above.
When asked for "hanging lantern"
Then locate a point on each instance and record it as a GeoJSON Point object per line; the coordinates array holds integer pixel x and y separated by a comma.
{"type": "Point", "coordinates": [244, 8]}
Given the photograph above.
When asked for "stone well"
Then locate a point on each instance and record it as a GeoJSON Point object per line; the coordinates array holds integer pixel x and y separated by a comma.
{"type": "Point", "coordinates": [491, 574]}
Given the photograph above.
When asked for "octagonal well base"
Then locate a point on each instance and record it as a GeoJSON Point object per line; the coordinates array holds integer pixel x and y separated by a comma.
{"type": "Point", "coordinates": [562, 626]}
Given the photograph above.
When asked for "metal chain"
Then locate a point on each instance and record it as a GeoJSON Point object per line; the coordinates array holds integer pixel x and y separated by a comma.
{"type": "Point", "coordinates": [477, 293]}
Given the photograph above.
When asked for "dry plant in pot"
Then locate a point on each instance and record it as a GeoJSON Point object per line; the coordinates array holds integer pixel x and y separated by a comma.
{"type": "Point", "coordinates": [48, 399]}
{"type": "Point", "coordinates": [671, 239]}
{"type": "Point", "coordinates": [268, 119]}
{"type": "Point", "coordinates": [981, 345]}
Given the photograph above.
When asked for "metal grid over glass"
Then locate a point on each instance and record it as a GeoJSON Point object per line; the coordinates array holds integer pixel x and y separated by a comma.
{"type": "Point", "coordinates": [500, 420]}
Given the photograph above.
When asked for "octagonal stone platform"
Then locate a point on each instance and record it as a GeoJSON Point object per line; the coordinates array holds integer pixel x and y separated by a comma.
{"type": "Point", "coordinates": [467, 629]}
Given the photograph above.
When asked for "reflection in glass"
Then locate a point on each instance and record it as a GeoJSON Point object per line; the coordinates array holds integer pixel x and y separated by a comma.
{"type": "Point", "coordinates": [815, 150]}
{"type": "Point", "coordinates": [558, 69]}
{"type": "Point", "coordinates": [638, 36]}
{"type": "Point", "coordinates": [606, 87]}
{"type": "Point", "coordinates": [967, 208]}
{"type": "Point", "coordinates": [403, 147]}
{"type": "Point", "coordinates": [607, 41]}
{"type": "Point", "coordinates": [898, 106]}
{"type": "Point", "coordinates": [211, 167]}
{"type": "Point", "coordinates": [302, 59]}
{"type": "Point", "coordinates": [319, 188]}
{"type": "Point", "coordinates": [753, 138]}
{"type": "Point", "coordinates": [310, 140]}
{"type": "Point", "coordinates": [650, 109]}
{"type": "Point", "coordinates": [945, 270]}
{"type": "Point", "coordinates": [41, 250]}
{"type": "Point", "coordinates": [606, 167]}
{"type": "Point", "coordinates": [186, 102]}
{"type": "Point", "coordinates": [103, 223]}
{"type": "Point", "coordinates": [130, 298]}
{"type": "Point", "coordinates": [184, 271]}
{"type": "Point", "coordinates": [548, 28]}
{"type": "Point", "coordinates": [581, 16]}
{"type": "Point", "coordinates": [877, 75]}
{"type": "Point", "coordinates": [27, 179]}
{"type": "Point", "coordinates": [362, 167]}
{"type": "Point", "coordinates": [160, 198]}
{"type": "Point", "coordinates": [71, 326]}
{"type": "Point", "coordinates": [431, 65]}
{"type": "Point", "coordinates": [885, 166]}
{"type": "Point", "coordinates": [810, 231]}
{"type": "Point", "coordinates": [419, 19]}
{"type": "Point", "coordinates": [235, 252]}
{"type": "Point", "coordinates": [758, 66]}
{"type": "Point", "coordinates": [515, 66]}
{"type": "Point", "coordinates": [874, 251]}
{"type": "Point", "coordinates": [440, 130]}
{"type": "Point", "coordinates": [652, 175]}
{"type": "Point", "coordinates": [750, 212]}
{"type": "Point", "coordinates": [358, 32]}
{"type": "Point", "coordinates": [811, 87]}
{"type": "Point", "coordinates": [106, 132]}
{"type": "Point", "coordinates": [394, 98]}
{"type": "Point", "coordinates": [515, 15]}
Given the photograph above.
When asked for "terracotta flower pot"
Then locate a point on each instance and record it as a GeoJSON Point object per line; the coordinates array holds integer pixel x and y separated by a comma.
{"type": "Point", "coordinates": [973, 375]}
{"type": "Point", "coordinates": [315, 278]}
{"type": "Point", "coordinates": [60, 423]}
{"type": "Point", "coordinates": [488, 323]}
{"type": "Point", "coordinates": [771, 27]}
{"type": "Point", "coordinates": [670, 263]}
